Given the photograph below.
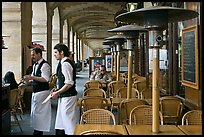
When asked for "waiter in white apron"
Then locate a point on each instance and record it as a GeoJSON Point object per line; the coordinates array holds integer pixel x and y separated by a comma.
{"type": "Point", "coordinates": [66, 92]}
{"type": "Point", "coordinates": [40, 113]}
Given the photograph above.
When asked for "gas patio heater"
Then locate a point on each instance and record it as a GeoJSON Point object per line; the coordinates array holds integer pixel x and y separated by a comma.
{"type": "Point", "coordinates": [156, 20]}
{"type": "Point", "coordinates": [118, 41]}
{"type": "Point", "coordinates": [131, 33]}
{"type": "Point", "coordinates": [110, 43]}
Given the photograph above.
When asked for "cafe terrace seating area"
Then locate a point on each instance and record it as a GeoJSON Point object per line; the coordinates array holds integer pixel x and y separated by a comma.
{"type": "Point", "coordinates": [134, 115]}
{"type": "Point", "coordinates": [100, 113]}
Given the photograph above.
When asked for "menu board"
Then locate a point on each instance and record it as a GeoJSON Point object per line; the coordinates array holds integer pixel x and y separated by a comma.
{"type": "Point", "coordinates": [190, 57]}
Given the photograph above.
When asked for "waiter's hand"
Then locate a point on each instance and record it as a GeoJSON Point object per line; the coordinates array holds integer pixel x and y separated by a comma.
{"type": "Point", "coordinates": [54, 94]}
{"type": "Point", "coordinates": [27, 78]}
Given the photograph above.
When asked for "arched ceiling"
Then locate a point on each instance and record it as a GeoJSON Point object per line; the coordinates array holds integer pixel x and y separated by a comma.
{"type": "Point", "coordinates": [94, 18]}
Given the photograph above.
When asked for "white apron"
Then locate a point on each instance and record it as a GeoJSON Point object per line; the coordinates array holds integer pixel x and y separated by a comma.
{"type": "Point", "coordinates": [40, 113]}
{"type": "Point", "coordinates": [66, 118]}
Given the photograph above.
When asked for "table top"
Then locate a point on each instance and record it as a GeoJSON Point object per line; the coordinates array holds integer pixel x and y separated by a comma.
{"type": "Point", "coordinates": [191, 129]}
{"type": "Point", "coordinates": [147, 130]}
{"type": "Point", "coordinates": [87, 127]}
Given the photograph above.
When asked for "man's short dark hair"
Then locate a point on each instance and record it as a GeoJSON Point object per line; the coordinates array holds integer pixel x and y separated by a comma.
{"type": "Point", "coordinates": [62, 47]}
{"type": "Point", "coordinates": [37, 50]}
{"type": "Point", "coordinates": [103, 66]}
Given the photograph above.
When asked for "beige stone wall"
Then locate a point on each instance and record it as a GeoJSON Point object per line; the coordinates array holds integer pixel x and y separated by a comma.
{"type": "Point", "coordinates": [11, 25]}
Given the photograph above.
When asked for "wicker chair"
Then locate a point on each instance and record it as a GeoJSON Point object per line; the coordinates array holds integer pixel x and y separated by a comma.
{"type": "Point", "coordinates": [122, 93]}
{"type": "Point", "coordinates": [98, 116]}
{"type": "Point", "coordinates": [52, 81]}
{"type": "Point", "coordinates": [140, 84]}
{"type": "Point", "coordinates": [13, 105]}
{"type": "Point", "coordinates": [100, 132]}
{"type": "Point", "coordinates": [146, 93]}
{"type": "Point", "coordinates": [113, 86]}
{"type": "Point", "coordinates": [142, 115]}
{"type": "Point", "coordinates": [92, 84]}
{"type": "Point", "coordinates": [126, 106]}
{"type": "Point", "coordinates": [171, 108]}
{"type": "Point", "coordinates": [193, 117]}
{"type": "Point", "coordinates": [21, 103]}
{"type": "Point", "coordinates": [94, 92]}
{"type": "Point", "coordinates": [93, 102]}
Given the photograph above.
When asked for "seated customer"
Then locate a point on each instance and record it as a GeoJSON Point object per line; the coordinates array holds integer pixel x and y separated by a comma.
{"type": "Point", "coordinates": [10, 78]}
{"type": "Point", "coordinates": [94, 75]}
{"type": "Point", "coordinates": [103, 76]}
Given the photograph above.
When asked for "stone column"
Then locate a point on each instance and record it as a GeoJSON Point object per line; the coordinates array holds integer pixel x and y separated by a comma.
{"type": "Point", "coordinates": [26, 34]}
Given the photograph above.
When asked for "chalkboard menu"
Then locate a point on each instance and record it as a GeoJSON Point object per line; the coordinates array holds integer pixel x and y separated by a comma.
{"type": "Point", "coordinates": [190, 57]}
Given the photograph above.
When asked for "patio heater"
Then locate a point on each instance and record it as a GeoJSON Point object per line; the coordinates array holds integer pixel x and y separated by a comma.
{"type": "Point", "coordinates": [156, 20]}
{"type": "Point", "coordinates": [112, 50]}
{"type": "Point", "coordinates": [118, 41]}
{"type": "Point", "coordinates": [131, 33]}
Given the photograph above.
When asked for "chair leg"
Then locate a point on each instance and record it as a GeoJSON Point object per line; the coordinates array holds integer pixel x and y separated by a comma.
{"type": "Point", "coordinates": [16, 119]}
{"type": "Point", "coordinates": [21, 104]}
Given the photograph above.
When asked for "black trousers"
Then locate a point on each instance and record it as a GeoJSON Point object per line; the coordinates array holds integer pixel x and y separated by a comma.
{"type": "Point", "coordinates": [37, 132]}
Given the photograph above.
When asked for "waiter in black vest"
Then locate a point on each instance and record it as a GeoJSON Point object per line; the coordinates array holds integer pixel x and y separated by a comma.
{"type": "Point", "coordinates": [40, 113]}
{"type": "Point", "coordinates": [65, 92]}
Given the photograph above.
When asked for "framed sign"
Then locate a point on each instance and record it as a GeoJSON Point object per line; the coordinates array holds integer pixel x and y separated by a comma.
{"type": "Point", "coordinates": [190, 68]}
{"type": "Point", "coordinates": [108, 58]}
{"type": "Point", "coordinates": [123, 61]}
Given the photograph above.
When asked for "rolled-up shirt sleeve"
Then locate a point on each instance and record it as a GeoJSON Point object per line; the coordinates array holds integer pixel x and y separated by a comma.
{"type": "Point", "coordinates": [45, 69]}
{"type": "Point", "coordinates": [67, 71]}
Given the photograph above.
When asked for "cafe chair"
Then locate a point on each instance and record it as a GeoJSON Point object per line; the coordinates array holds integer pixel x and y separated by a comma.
{"type": "Point", "coordinates": [113, 86]}
{"type": "Point", "coordinates": [92, 84]}
{"type": "Point", "coordinates": [142, 115]}
{"type": "Point", "coordinates": [146, 93]}
{"type": "Point", "coordinates": [52, 81]}
{"type": "Point", "coordinates": [140, 84]}
{"type": "Point", "coordinates": [193, 117]}
{"type": "Point", "coordinates": [126, 107]}
{"type": "Point", "coordinates": [21, 103]}
{"type": "Point", "coordinates": [93, 102]}
{"type": "Point", "coordinates": [122, 93]}
{"type": "Point", "coordinates": [13, 105]}
{"type": "Point", "coordinates": [171, 108]}
{"type": "Point", "coordinates": [98, 116]}
{"type": "Point", "coordinates": [100, 132]}
{"type": "Point", "coordinates": [94, 92]}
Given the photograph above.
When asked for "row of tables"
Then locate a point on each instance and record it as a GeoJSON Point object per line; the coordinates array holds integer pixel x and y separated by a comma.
{"type": "Point", "coordinates": [142, 129]}
{"type": "Point", "coordinates": [139, 129]}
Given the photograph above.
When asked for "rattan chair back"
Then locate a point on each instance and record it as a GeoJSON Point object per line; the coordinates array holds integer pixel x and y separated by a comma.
{"type": "Point", "coordinates": [93, 102]}
{"type": "Point", "coordinates": [193, 117]}
{"type": "Point", "coordinates": [92, 84]}
{"type": "Point", "coordinates": [98, 116]}
{"type": "Point", "coordinates": [140, 84]}
{"type": "Point", "coordinates": [94, 92]}
{"type": "Point", "coordinates": [122, 93]}
{"type": "Point", "coordinates": [113, 86]}
{"type": "Point", "coordinates": [146, 93]}
{"type": "Point", "coordinates": [126, 107]}
{"type": "Point", "coordinates": [142, 115]}
{"type": "Point", "coordinates": [171, 108]}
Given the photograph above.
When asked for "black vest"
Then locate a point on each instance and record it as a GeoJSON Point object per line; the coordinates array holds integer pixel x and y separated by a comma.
{"type": "Point", "coordinates": [71, 91]}
{"type": "Point", "coordinates": [37, 85]}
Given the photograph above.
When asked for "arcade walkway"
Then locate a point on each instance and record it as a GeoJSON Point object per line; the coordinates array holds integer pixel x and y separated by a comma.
{"type": "Point", "coordinates": [82, 77]}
